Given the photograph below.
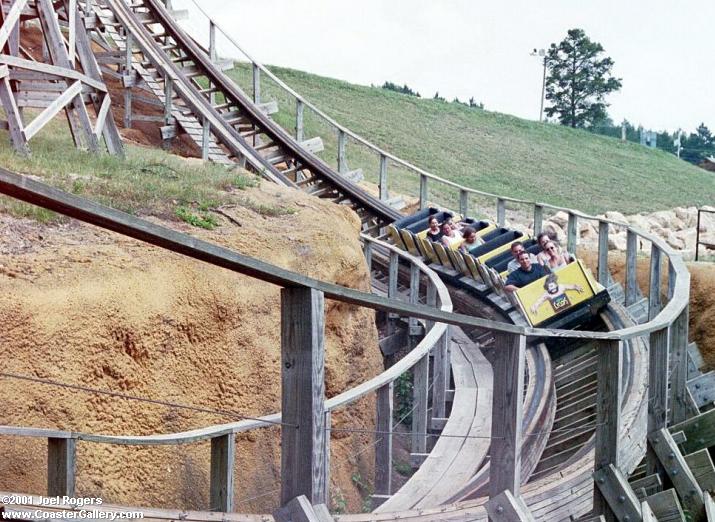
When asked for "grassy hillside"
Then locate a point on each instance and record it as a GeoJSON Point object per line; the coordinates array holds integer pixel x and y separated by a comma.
{"type": "Point", "coordinates": [491, 151]}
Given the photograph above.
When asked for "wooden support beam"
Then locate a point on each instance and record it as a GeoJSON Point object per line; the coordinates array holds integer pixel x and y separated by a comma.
{"type": "Point", "coordinates": [342, 162]}
{"type": "Point", "coordinates": [631, 270]}
{"type": "Point", "coordinates": [702, 388]}
{"type": "Point", "coordinates": [501, 212]}
{"type": "Point", "coordinates": [303, 394]}
{"type": "Point", "coordinates": [127, 90]}
{"type": "Point", "coordinates": [223, 451]}
{"type": "Point", "coordinates": [383, 441]}
{"type": "Point", "coordinates": [603, 253]}
{"type": "Point", "coordinates": [72, 29]}
{"type": "Point", "coordinates": [299, 509]}
{"type": "Point", "coordinates": [420, 396]}
{"type": "Point", "coordinates": [507, 414]}
{"type": "Point", "coordinates": [367, 250]}
{"type": "Point", "coordinates": [699, 432]}
{"type": "Point", "coordinates": [463, 202]}
{"type": "Point", "coordinates": [14, 120]}
{"type": "Point", "coordinates": [10, 21]}
{"type": "Point", "coordinates": [423, 192]}
{"type": "Point", "coordinates": [205, 139]}
{"type": "Point", "coordinates": [658, 371]}
{"type": "Point", "coordinates": [52, 109]}
{"type": "Point", "coordinates": [382, 179]}
{"type": "Point", "coordinates": [619, 498]}
{"type": "Point", "coordinates": [608, 414]}
{"type": "Point", "coordinates": [505, 507]}
{"type": "Point", "coordinates": [665, 506]}
{"type": "Point", "coordinates": [703, 469]}
{"type": "Point", "coordinates": [678, 471]}
{"type": "Point", "coordinates": [679, 374]}
{"type": "Point", "coordinates": [256, 83]}
{"type": "Point", "coordinates": [709, 507]}
{"type": "Point", "coordinates": [654, 301]}
{"type": "Point", "coordinates": [299, 109]}
{"type": "Point", "coordinates": [572, 233]}
{"type": "Point", "coordinates": [61, 458]}
{"type": "Point", "coordinates": [328, 423]}
{"type": "Point", "coordinates": [538, 219]}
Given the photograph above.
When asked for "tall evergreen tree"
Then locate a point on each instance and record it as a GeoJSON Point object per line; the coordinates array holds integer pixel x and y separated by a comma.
{"type": "Point", "coordinates": [578, 80]}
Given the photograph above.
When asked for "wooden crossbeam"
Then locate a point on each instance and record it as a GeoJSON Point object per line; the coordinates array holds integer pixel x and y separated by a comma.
{"type": "Point", "coordinates": [10, 20]}
{"type": "Point", "coordinates": [617, 493]}
{"type": "Point", "coordinates": [507, 508]}
{"type": "Point", "coordinates": [699, 431]}
{"type": "Point", "coordinates": [678, 471]}
{"type": "Point", "coordinates": [52, 70]}
{"type": "Point", "coordinates": [56, 106]}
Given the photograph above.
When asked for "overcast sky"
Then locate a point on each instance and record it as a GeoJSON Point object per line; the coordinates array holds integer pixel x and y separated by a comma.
{"type": "Point", "coordinates": [663, 50]}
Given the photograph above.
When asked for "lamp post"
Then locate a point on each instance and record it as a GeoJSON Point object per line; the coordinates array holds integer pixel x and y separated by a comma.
{"type": "Point", "coordinates": [542, 54]}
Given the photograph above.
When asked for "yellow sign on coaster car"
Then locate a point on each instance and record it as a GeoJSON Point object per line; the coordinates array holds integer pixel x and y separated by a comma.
{"type": "Point", "coordinates": [553, 294]}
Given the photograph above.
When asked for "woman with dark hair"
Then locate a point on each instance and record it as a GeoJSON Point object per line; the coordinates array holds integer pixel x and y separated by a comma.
{"type": "Point", "coordinates": [471, 240]}
{"type": "Point", "coordinates": [449, 236]}
{"type": "Point", "coordinates": [433, 232]}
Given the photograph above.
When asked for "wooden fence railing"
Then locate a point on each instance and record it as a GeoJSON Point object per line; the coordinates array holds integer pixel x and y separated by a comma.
{"type": "Point", "coordinates": [304, 469]}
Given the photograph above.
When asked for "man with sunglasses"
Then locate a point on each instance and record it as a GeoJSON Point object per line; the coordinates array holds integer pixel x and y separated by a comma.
{"type": "Point", "coordinates": [517, 247]}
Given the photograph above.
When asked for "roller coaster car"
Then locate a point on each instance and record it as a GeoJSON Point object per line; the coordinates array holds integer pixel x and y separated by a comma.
{"type": "Point", "coordinates": [563, 299]}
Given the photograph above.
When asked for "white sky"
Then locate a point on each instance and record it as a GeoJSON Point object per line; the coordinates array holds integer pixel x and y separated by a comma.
{"type": "Point", "coordinates": [664, 51]}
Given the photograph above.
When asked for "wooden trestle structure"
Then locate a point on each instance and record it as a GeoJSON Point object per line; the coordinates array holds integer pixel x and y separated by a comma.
{"type": "Point", "coordinates": [560, 425]}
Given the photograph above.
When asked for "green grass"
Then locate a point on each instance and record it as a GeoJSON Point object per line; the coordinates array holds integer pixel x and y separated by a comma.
{"type": "Point", "coordinates": [148, 182]}
{"type": "Point", "coordinates": [489, 151]}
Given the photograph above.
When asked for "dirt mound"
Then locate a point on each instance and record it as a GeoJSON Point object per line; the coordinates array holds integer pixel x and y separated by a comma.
{"type": "Point", "coordinates": [83, 306]}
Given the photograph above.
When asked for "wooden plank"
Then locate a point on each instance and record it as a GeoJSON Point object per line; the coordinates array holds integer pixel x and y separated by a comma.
{"type": "Point", "coordinates": [423, 192]}
{"type": "Point", "coordinates": [678, 471]}
{"type": "Point", "coordinates": [631, 273]}
{"type": "Point", "coordinates": [299, 110]}
{"type": "Point", "coordinates": [699, 432]}
{"type": "Point", "coordinates": [608, 413]}
{"type": "Point", "coordinates": [303, 394]}
{"type": "Point", "coordinates": [650, 483]}
{"type": "Point", "coordinates": [51, 111]}
{"type": "Point", "coordinates": [507, 414]}
{"type": "Point", "coordinates": [654, 300]}
{"type": "Point", "coordinates": [383, 440]}
{"type": "Point", "coordinates": [679, 375]}
{"type": "Point", "coordinates": [703, 470]}
{"type": "Point", "coordinates": [53, 70]}
{"type": "Point", "coordinates": [61, 459]}
{"type": "Point", "coordinates": [223, 450]}
{"type": "Point", "coordinates": [14, 120]}
{"type": "Point", "coordinates": [256, 83]}
{"type": "Point", "coordinates": [9, 22]}
{"type": "Point", "coordinates": [507, 508]}
{"type": "Point", "coordinates": [538, 219]}
{"type": "Point", "coordinates": [658, 355]}
{"type": "Point", "coordinates": [342, 163]}
{"type": "Point", "coordinates": [501, 212]}
{"type": "Point", "coordinates": [382, 179]}
{"type": "Point", "coordinates": [571, 233]}
{"type": "Point", "coordinates": [420, 396]}
{"type": "Point", "coordinates": [702, 388]}
{"type": "Point", "coordinates": [102, 115]}
{"type": "Point", "coordinates": [620, 500]}
{"type": "Point", "coordinates": [603, 274]}
{"type": "Point", "coordinates": [439, 376]}
{"type": "Point", "coordinates": [666, 507]}
{"type": "Point", "coordinates": [647, 513]}
{"type": "Point", "coordinates": [298, 509]}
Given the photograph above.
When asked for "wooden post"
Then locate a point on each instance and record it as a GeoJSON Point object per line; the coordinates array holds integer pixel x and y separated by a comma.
{"type": "Point", "coordinates": [507, 414]}
{"type": "Point", "coordinates": [463, 202]}
{"type": "Point", "coordinates": [631, 267]}
{"type": "Point", "coordinates": [72, 29]}
{"type": "Point", "coordinates": [326, 455]}
{"type": "Point", "coordinates": [654, 287]}
{"type": "Point", "coordinates": [440, 371]}
{"type": "Point", "coordinates": [538, 219]}
{"type": "Point", "coordinates": [223, 451]}
{"type": "Point", "coordinates": [205, 139]}
{"type": "Point", "coordinates": [414, 299]}
{"type": "Point", "coordinates": [392, 274]}
{"type": "Point", "coordinates": [368, 255]}
{"type": "Point", "coordinates": [299, 108]}
{"type": "Point", "coordinates": [384, 193]}
{"type": "Point", "coordinates": [501, 216]}
{"type": "Point", "coordinates": [571, 233]}
{"type": "Point", "coordinates": [505, 507]}
{"type": "Point", "coordinates": [212, 56]}
{"type": "Point", "coordinates": [128, 90]}
{"type": "Point", "coordinates": [420, 389]}
{"type": "Point", "coordinates": [671, 279]}
{"type": "Point", "coordinates": [603, 253]}
{"type": "Point", "coordinates": [342, 163]}
{"type": "Point", "coordinates": [61, 458]}
{"type": "Point", "coordinates": [256, 83]}
{"type": "Point", "coordinates": [423, 191]}
{"type": "Point", "coordinates": [302, 394]}
{"type": "Point", "coordinates": [658, 372]}
{"type": "Point", "coordinates": [608, 414]}
{"type": "Point", "coordinates": [383, 441]}
{"type": "Point", "coordinates": [679, 374]}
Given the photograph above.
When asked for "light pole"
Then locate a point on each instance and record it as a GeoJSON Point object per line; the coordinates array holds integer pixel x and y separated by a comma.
{"type": "Point", "coordinates": [542, 54]}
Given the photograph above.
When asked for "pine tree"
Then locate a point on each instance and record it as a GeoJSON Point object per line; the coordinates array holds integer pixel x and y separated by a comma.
{"type": "Point", "coordinates": [578, 80]}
